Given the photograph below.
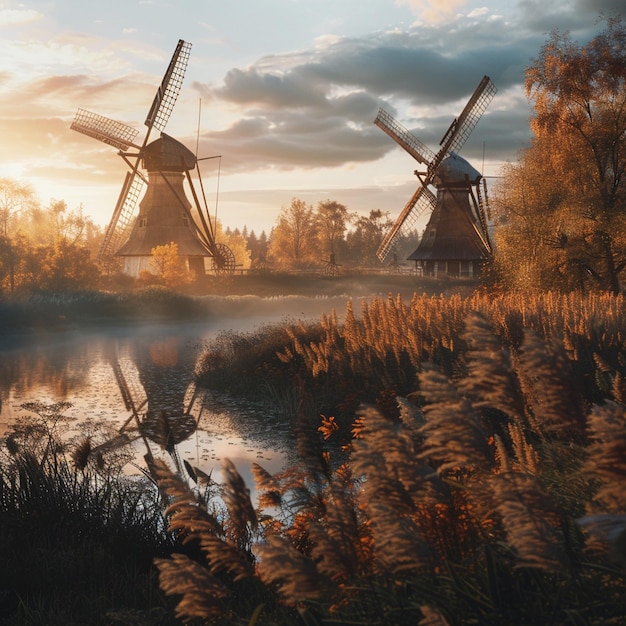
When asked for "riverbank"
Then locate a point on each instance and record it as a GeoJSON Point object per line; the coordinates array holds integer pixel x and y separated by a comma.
{"type": "Point", "coordinates": [51, 310]}
{"type": "Point", "coordinates": [353, 285]}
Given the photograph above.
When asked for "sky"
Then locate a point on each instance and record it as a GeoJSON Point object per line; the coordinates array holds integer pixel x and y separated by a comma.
{"type": "Point", "coordinates": [282, 93]}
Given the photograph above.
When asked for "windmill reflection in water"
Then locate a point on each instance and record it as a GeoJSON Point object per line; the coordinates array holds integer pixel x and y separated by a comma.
{"type": "Point", "coordinates": [157, 387]}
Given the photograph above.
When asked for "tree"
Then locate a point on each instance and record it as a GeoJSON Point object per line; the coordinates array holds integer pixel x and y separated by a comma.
{"type": "Point", "coordinates": [237, 244]}
{"type": "Point", "coordinates": [20, 263]}
{"type": "Point", "coordinates": [293, 238]}
{"type": "Point", "coordinates": [66, 266]}
{"type": "Point", "coordinates": [169, 266]}
{"type": "Point", "coordinates": [365, 238]}
{"type": "Point", "coordinates": [258, 249]}
{"type": "Point", "coordinates": [532, 208]}
{"type": "Point", "coordinates": [579, 126]}
{"type": "Point", "coordinates": [332, 219]}
{"type": "Point", "coordinates": [14, 198]}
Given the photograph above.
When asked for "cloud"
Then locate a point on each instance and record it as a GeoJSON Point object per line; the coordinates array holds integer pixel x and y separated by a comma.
{"type": "Point", "coordinates": [578, 17]}
{"type": "Point", "coordinates": [316, 108]}
{"type": "Point", "coordinates": [434, 10]}
{"type": "Point", "coordinates": [14, 17]}
{"type": "Point", "coordinates": [601, 6]}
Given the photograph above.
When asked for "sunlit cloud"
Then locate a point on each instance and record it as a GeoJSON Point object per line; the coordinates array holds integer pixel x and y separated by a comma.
{"type": "Point", "coordinates": [478, 12]}
{"type": "Point", "coordinates": [13, 17]}
{"type": "Point", "coordinates": [35, 56]}
{"type": "Point", "coordinates": [433, 11]}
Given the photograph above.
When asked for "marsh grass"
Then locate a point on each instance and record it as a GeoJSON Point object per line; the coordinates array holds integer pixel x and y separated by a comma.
{"type": "Point", "coordinates": [494, 493]}
{"type": "Point", "coordinates": [77, 539]}
{"type": "Point", "coordinates": [467, 468]}
{"type": "Point", "coordinates": [376, 354]}
{"type": "Point", "coordinates": [49, 310]}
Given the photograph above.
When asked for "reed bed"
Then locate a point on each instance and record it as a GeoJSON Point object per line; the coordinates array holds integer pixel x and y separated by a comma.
{"type": "Point", "coordinates": [493, 493]}
{"type": "Point", "coordinates": [376, 355]}
{"type": "Point", "coordinates": [462, 461]}
{"type": "Point", "coordinates": [77, 538]}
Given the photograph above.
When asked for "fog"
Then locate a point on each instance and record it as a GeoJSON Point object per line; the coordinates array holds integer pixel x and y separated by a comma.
{"type": "Point", "coordinates": [90, 367]}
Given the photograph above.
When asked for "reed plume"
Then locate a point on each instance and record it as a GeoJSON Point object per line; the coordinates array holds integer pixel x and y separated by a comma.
{"type": "Point", "coordinates": [606, 456]}
{"type": "Point", "coordinates": [242, 519]}
{"type": "Point", "coordinates": [490, 381]}
{"type": "Point", "coordinates": [554, 401]}
{"type": "Point", "coordinates": [81, 453]}
{"type": "Point", "coordinates": [295, 575]}
{"type": "Point", "coordinates": [202, 593]}
{"type": "Point", "coordinates": [453, 437]}
{"type": "Point", "coordinates": [190, 521]}
{"type": "Point", "coordinates": [531, 520]}
{"type": "Point", "coordinates": [386, 456]}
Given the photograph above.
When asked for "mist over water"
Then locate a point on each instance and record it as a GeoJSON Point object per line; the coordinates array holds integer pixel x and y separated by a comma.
{"type": "Point", "coordinates": [155, 362]}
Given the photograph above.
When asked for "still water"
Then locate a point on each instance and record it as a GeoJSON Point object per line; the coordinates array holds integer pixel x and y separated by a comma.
{"type": "Point", "coordinates": [152, 365]}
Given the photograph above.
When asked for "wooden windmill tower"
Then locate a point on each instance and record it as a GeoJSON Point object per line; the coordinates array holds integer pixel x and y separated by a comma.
{"type": "Point", "coordinates": [165, 213]}
{"type": "Point", "coordinates": [455, 240]}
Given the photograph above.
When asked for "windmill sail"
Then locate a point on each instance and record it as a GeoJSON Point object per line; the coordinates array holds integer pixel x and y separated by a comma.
{"type": "Point", "coordinates": [170, 87]}
{"type": "Point", "coordinates": [424, 200]}
{"type": "Point", "coordinates": [119, 227]}
{"type": "Point", "coordinates": [403, 137]}
{"type": "Point", "coordinates": [104, 129]}
{"type": "Point", "coordinates": [462, 127]}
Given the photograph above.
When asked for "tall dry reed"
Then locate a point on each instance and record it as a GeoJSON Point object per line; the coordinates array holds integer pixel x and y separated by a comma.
{"type": "Point", "coordinates": [464, 504]}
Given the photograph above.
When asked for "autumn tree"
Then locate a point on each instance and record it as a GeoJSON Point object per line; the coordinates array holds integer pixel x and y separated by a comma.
{"type": "Point", "coordinates": [168, 266]}
{"type": "Point", "coordinates": [331, 219]}
{"type": "Point", "coordinates": [237, 243]}
{"type": "Point", "coordinates": [66, 266]}
{"type": "Point", "coordinates": [532, 208]}
{"type": "Point", "coordinates": [293, 241]}
{"type": "Point", "coordinates": [8, 260]}
{"type": "Point", "coordinates": [366, 235]}
{"type": "Point", "coordinates": [578, 154]}
{"type": "Point", "coordinates": [15, 197]}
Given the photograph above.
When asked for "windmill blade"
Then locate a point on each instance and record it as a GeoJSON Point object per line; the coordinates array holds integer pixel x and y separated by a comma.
{"type": "Point", "coordinates": [424, 200]}
{"type": "Point", "coordinates": [168, 91]}
{"type": "Point", "coordinates": [483, 207]}
{"type": "Point", "coordinates": [104, 129]}
{"type": "Point", "coordinates": [119, 227]}
{"type": "Point", "coordinates": [404, 138]}
{"type": "Point", "coordinates": [462, 127]}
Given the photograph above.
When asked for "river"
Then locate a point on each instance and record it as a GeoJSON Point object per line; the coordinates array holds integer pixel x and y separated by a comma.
{"type": "Point", "coordinates": [152, 365]}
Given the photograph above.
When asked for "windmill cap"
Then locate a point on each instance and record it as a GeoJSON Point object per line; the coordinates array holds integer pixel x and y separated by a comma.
{"type": "Point", "coordinates": [454, 169]}
{"type": "Point", "coordinates": [166, 154]}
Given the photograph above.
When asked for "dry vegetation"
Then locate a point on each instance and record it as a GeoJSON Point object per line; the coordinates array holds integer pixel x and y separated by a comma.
{"type": "Point", "coordinates": [462, 461]}
{"type": "Point", "coordinates": [494, 494]}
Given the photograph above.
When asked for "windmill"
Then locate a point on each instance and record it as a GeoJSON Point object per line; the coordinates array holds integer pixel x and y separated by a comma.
{"type": "Point", "coordinates": [456, 239]}
{"type": "Point", "coordinates": [165, 213]}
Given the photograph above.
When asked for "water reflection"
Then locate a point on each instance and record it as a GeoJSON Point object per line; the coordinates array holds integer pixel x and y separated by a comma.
{"type": "Point", "coordinates": [139, 381]}
{"type": "Point", "coordinates": [112, 372]}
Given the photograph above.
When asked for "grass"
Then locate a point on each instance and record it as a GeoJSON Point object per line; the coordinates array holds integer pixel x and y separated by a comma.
{"type": "Point", "coordinates": [461, 461]}
{"type": "Point", "coordinates": [491, 493]}
{"type": "Point", "coordinates": [78, 539]}
{"type": "Point", "coordinates": [58, 310]}
{"type": "Point", "coordinates": [376, 354]}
